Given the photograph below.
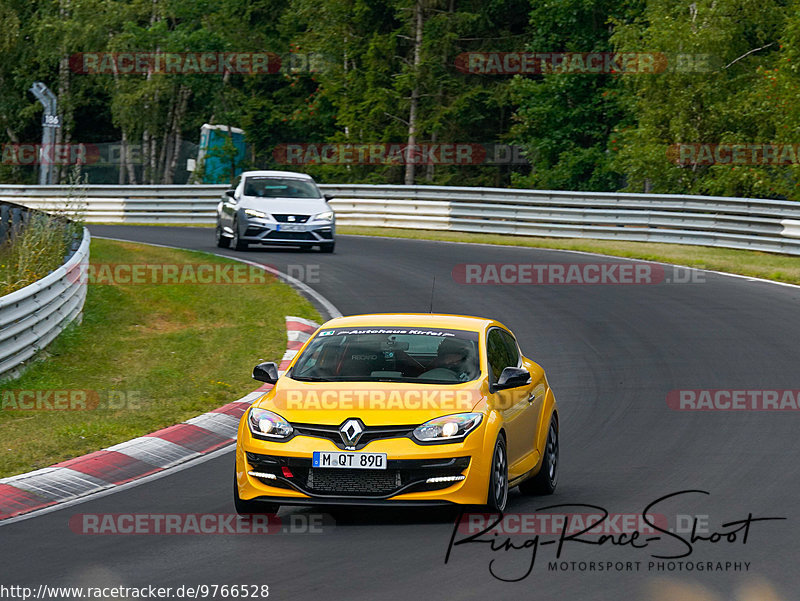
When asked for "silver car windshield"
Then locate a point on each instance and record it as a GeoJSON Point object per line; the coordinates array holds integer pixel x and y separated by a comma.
{"type": "Point", "coordinates": [280, 187]}
{"type": "Point", "coordinates": [422, 355]}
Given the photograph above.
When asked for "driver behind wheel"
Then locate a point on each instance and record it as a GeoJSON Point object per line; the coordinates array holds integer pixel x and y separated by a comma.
{"type": "Point", "coordinates": [456, 356]}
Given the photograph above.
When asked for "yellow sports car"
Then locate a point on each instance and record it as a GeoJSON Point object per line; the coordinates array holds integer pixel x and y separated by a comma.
{"type": "Point", "coordinates": [399, 409]}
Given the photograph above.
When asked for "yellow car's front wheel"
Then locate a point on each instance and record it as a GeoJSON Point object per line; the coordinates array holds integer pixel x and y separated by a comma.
{"type": "Point", "coordinates": [498, 477]}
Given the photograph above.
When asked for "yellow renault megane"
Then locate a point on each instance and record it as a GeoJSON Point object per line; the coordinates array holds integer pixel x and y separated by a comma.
{"type": "Point", "coordinates": [399, 409]}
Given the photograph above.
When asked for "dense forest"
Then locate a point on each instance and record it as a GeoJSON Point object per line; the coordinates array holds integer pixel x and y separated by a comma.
{"type": "Point", "coordinates": [696, 97]}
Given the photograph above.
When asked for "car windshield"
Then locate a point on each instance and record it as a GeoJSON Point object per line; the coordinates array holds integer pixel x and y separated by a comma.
{"type": "Point", "coordinates": [283, 187]}
{"type": "Point", "coordinates": [390, 354]}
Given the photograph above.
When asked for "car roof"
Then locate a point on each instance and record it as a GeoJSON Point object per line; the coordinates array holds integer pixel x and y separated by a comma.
{"type": "Point", "coordinates": [418, 320]}
{"type": "Point", "coordinates": [277, 174]}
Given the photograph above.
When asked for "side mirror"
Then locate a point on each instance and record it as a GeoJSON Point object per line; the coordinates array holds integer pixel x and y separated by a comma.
{"type": "Point", "coordinates": [512, 377]}
{"type": "Point", "coordinates": [266, 372]}
{"type": "Point", "coordinates": [328, 197]}
{"type": "Point", "coordinates": [231, 193]}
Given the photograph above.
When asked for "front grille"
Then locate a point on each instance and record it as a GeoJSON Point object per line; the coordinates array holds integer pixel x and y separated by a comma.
{"type": "Point", "coordinates": [285, 218]}
{"type": "Point", "coordinates": [289, 235]}
{"type": "Point", "coordinates": [353, 482]}
{"type": "Point", "coordinates": [400, 475]}
{"type": "Point", "coordinates": [370, 433]}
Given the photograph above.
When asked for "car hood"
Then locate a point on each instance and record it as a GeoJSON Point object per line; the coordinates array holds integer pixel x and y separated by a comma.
{"type": "Point", "coordinates": [289, 206]}
{"type": "Point", "coordinates": [375, 403]}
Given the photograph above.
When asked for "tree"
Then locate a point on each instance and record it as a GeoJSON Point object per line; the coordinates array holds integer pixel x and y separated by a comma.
{"type": "Point", "coordinates": [712, 93]}
{"type": "Point", "coordinates": [565, 120]}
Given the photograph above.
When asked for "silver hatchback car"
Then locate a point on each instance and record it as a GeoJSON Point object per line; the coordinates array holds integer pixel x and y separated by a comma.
{"type": "Point", "coordinates": [278, 208]}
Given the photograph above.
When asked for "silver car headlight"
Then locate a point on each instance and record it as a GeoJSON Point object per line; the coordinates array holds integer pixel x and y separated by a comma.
{"type": "Point", "coordinates": [326, 216]}
{"type": "Point", "coordinates": [267, 423]}
{"type": "Point", "coordinates": [450, 428]}
{"type": "Point", "coordinates": [254, 213]}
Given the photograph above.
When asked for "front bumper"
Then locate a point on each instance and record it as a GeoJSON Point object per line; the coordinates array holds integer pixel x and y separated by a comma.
{"type": "Point", "coordinates": [282, 472]}
{"type": "Point", "coordinates": [255, 230]}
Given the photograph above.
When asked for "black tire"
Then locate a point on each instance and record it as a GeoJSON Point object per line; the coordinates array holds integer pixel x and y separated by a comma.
{"type": "Point", "coordinates": [544, 483]}
{"type": "Point", "coordinates": [249, 507]}
{"type": "Point", "coordinates": [327, 247]}
{"type": "Point", "coordinates": [236, 242]}
{"type": "Point", "coordinates": [222, 241]}
{"type": "Point", "coordinates": [498, 478]}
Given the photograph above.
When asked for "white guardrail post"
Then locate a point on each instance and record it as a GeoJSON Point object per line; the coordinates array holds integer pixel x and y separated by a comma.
{"type": "Point", "coordinates": [33, 316]}
{"type": "Point", "coordinates": [743, 223]}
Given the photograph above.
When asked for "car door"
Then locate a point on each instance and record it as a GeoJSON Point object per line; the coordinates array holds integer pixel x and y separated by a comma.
{"type": "Point", "coordinates": [502, 352]}
{"type": "Point", "coordinates": [535, 396]}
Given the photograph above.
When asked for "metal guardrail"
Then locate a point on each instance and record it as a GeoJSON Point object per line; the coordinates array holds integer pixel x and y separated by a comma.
{"type": "Point", "coordinates": [30, 318]}
{"type": "Point", "coordinates": [744, 223]}
{"type": "Point", "coordinates": [12, 218]}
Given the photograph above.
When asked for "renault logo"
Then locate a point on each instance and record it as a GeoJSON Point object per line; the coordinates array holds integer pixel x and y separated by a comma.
{"type": "Point", "coordinates": [351, 431]}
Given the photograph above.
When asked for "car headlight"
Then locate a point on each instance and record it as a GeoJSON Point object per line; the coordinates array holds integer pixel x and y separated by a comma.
{"type": "Point", "coordinates": [450, 428]}
{"type": "Point", "coordinates": [254, 213]}
{"type": "Point", "coordinates": [267, 423]}
{"type": "Point", "coordinates": [326, 216]}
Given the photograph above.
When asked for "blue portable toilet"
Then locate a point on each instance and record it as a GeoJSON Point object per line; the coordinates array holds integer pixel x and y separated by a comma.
{"type": "Point", "coordinates": [214, 154]}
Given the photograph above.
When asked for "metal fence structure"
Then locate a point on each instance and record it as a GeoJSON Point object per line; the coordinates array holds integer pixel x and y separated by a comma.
{"type": "Point", "coordinates": [743, 223]}
{"type": "Point", "coordinates": [12, 218]}
{"type": "Point", "coordinates": [30, 318]}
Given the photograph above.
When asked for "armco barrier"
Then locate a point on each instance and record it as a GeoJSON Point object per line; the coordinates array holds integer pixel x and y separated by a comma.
{"type": "Point", "coordinates": [744, 223]}
{"type": "Point", "coordinates": [30, 318]}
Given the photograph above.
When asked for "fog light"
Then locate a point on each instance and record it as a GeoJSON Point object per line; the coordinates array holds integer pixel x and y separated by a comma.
{"type": "Point", "coordinates": [444, 479]}
{"type": "Point", "coordinates": [263, 475]}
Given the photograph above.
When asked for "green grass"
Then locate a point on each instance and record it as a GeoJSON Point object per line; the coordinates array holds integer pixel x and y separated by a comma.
{"type": "Point", "coordinates": [179, 350]}
{"type": "Point", "coordinates": [38, 248]}
{"type": "Point", "coordinates": [781, 268]}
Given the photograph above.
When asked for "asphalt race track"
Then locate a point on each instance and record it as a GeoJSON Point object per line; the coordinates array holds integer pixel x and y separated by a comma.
{"type": "Point", "coordinates": [612, 354]}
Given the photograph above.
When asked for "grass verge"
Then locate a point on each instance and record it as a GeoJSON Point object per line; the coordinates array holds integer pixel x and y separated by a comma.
{"type": "Point", "coordinates": [34, 251]}
{"type": "Point", "coordinates": [781, 268]}
{"type": "Point", "coordinates": [154, 354]}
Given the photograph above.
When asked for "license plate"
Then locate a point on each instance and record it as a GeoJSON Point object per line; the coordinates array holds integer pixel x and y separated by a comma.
{"type": "Point", "coordinates": [290, 227]}
{"type": "Point", "coordinates": [362, 461]}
